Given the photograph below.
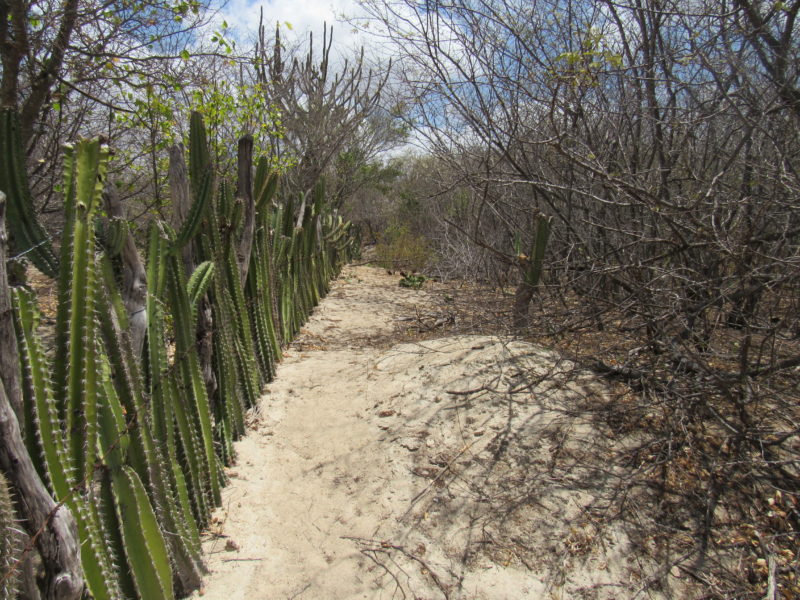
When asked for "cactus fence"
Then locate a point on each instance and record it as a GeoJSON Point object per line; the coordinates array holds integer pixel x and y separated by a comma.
{"type": "Point", "coordinates": [130, 417]}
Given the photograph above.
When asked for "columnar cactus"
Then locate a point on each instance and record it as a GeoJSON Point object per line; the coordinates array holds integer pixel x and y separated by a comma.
{"type": "Point", "coordinates": [30, 238]}
{"type": "Point", "coordinates": [133, 444]}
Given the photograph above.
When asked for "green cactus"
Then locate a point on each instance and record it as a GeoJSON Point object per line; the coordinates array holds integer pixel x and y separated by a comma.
{"type": "Point", "coordinates": [265, 184]}
{"type": "Point", "coordinates": [78, 398]}
{"type": "Point", "coordinates": [11, 544]}
{"type": "Point", "coordinates": [133, 444]}
{"type": "Point", "coordinates": [188, 365]}
{"type": "Point", "coordinates": [167, 403]}
{"type": "Point", "coordinates": [203, 195]}
{"type": "Point", "coordinates": [146, 550]}
{"type": "Point", "coordinates": [53, 460]}
{"type": "Point", "coordinates": [44, 436]}
{"type": "Point", "coordinates": [28, 235]}
{"type": "Point", "coordinates": [150, 458]}
{"type": "Point", "coordinates": [198, 284]}
{"type": "Point", "coordinates": [199, 155]}
{"type": "Point", "coordinates": [535, 260]}
{"type": "Point", "coordinates": [259, 296]}
{"type": "Point", "coordinates": [115, 232]}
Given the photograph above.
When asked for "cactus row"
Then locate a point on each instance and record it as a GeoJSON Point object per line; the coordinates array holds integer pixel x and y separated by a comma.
{"type": "Point", "coordinates": [134, 445]}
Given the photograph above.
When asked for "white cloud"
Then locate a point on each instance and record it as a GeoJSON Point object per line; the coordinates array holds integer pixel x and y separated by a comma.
{"type": "Point", "coordinates": [296, 17]}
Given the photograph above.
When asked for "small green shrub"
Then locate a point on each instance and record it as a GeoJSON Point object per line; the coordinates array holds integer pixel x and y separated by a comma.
{"type": "Point", "coordinates": [413, 281]}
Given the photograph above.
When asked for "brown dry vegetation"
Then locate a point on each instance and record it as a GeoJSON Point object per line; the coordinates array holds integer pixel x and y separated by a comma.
{"type": "Point", "coordinates": [726, 517]}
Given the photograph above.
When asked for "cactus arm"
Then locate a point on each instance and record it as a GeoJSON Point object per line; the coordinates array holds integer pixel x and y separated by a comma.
{"type": "Point", "coordinates": [82, 381]}
{"type": "Point", "coordinates": [29, 236]}
{"type": "Point", "coordinates": [189, 365]}
{"type": "Point", "coordinates": [197, 212]}
{"type": "Point", "coordinates": [199, 157]}
{"type": "Point", "coordinates": [192, 453]}
{"type": "Point", "coordinates": [265, 186]}
{"type": "Point", "coordinates": [198, 283]}
{"type": "Point", "coordinates": [39, 396]}
{"type": "Point", "coordinates": [11, 544]}
{"type": "Point", "coordinates": [108, 514]}
{"type": "Point", "coordinates": [62, 328]}
{"type": "Point", "coordinates": [113, 437]}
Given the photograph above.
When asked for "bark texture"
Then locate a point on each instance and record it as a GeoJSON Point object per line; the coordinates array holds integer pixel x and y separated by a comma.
{"type": "Point", "coordinates": [134, 276]}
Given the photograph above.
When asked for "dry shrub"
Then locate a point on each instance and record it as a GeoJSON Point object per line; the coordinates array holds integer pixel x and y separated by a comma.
{"type": "Point", "coordinates": [399, 248]}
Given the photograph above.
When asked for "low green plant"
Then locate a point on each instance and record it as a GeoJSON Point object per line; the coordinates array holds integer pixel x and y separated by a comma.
{"type": "Point", "coordinates": [413, 281]}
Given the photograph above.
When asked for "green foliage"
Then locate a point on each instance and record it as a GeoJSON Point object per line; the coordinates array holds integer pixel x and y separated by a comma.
{"type": "Point", "coordinates": [583, 67]}
{"type": "Point", "coordinates": [231, 109]}
{"type": "Point", "coordinates": [413, 281]}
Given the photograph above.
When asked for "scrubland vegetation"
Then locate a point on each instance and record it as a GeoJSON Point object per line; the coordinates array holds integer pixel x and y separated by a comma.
{"type": "Point", "coordinates": [624, 174]}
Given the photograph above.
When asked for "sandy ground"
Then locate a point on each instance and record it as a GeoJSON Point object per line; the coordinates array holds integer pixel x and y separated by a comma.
{"type": "Point", "coordinates": [447, 468]}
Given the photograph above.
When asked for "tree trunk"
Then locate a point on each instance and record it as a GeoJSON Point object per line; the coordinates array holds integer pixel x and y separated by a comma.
{"type": "Point", "coordinates": [134, 276]}
{"type": "Point", "coordinates": [244, 193]}
{"type": "Point", "coordinates": [9, 359]}
{"type": "Point", "coordinates": [51, 525]}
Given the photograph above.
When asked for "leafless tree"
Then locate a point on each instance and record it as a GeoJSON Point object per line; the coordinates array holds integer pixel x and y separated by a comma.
{"type": "Point", "coordinates": [327, 107]}
{"type": "Point", "coordinates": [661, 138]}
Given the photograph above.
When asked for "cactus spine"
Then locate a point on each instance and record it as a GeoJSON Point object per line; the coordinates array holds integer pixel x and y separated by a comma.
{"type": "Point", "coordinates": [10, 544]}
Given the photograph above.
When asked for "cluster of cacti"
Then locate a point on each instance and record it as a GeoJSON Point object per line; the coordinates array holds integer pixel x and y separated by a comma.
{"type": "Point", "coordinates": [133, 445]}
{"type": "Point", "coordinates": [307, 250]}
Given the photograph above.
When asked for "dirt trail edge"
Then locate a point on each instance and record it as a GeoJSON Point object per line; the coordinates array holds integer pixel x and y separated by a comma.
{"type": "Point", "coordinates": [423, 470]}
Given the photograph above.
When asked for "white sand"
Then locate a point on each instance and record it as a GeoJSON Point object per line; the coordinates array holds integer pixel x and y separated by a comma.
{"type": "Point", "coordinates": [430, 470]}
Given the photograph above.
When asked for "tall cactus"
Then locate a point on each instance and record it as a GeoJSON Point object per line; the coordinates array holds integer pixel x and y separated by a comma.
{"type": "Point", "coordinates": [533, 271]}
{"type": "Point", "coordinates": [531, 267]}
{"type": "Point", "coordinates": [154, 459]}
{"type": "Point", "coordinates": [29, 236]}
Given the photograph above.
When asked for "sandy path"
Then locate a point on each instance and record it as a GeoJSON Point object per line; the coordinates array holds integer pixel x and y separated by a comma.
{"type": "Point", "coordinates": [312, 470]}
{"type": "Point", "coordinates": [371, 472]}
